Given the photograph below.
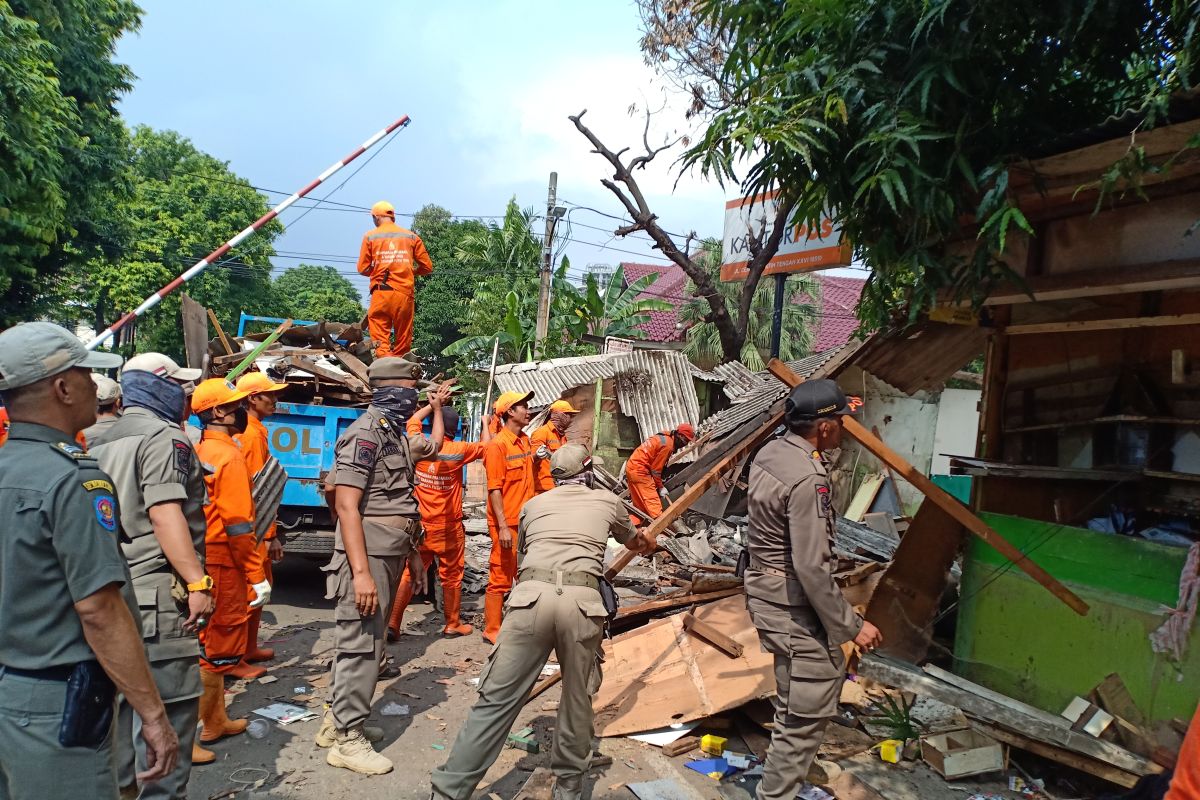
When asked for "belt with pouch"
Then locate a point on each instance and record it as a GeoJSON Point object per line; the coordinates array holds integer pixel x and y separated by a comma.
{"type": "Point", "coordinates": [558, 576]}
{"type": "Point", "coordinates": [382, 287]}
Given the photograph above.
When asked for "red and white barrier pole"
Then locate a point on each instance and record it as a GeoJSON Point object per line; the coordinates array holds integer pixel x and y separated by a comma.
{"type": "Point", "coordinates": [203, 264]}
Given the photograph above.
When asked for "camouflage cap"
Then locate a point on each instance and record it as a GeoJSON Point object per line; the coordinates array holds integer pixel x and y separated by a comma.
{"type": "Point", "coordinates": [393, 367]}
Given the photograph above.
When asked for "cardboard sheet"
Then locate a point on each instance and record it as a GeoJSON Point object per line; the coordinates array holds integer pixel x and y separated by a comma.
{"type": "Point", "coordinates": [658, 674]}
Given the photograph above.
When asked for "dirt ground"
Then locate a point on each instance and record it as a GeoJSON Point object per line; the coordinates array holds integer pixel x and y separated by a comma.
{"type": "Point", "coordinates": [436, 685]}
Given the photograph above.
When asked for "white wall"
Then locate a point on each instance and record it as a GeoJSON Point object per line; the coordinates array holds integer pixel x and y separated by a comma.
{"type": "Point", "coordinates": [957, 427]}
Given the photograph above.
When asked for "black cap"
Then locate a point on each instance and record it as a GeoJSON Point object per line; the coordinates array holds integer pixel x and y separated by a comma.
{"type": "Point", "coordinates": [821, 398]}
{"type": "Point", "coordinates": [450, 422]}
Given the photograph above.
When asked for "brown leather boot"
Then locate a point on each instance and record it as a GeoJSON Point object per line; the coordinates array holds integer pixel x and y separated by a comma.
{"type": "Point", "coordinates": [216, 723]}
{"type": "Point", "coordinates": [452, 600]}
{"type": "Point", "coordinates": [404, 594]}
{"type": "Point", "coordinates": [202, 756]}
{"type": "Point", "coordinates": [253, 651]}
{"type": "Point", "coordinates": [493, 615]}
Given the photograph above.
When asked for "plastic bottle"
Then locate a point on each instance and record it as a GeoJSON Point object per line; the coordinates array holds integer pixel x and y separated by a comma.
{"type": "Point", "coordinates": [258, 729]}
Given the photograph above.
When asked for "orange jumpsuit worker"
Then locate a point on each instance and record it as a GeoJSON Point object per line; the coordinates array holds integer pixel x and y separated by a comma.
{"type": "Point", "coordinates": [391, 257]}
{"type": "Point", "coordinates": [260, 403]}
{"type": "Point", "coordinates": [508, 461]}
{"type": "Point", "coordinates": [643, 471]}
{"type": "Point", "coordinates": [231, 554]}
{"type": "Point", "coordinates": [440, 498]}
{"type": "Point", "coordinates": [548, 438]}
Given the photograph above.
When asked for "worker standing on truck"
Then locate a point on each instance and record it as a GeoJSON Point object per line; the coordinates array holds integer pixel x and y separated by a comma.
{"type": "Point", "coordinates": [378, 530]}
{"type": "Point", "coordinates": [798, 609]}
{"type": "Point", "coordinates": [547, 439]}
{"type": "Point", "coordinates": [260, 392]}
{"type": "Point", "coordinates": [440, 497]}
{"type": "Point", "coordinates": [644, 470]}
{"type": "Point", "coordinates": [160, 489]}
{"type": "Point", "coordinates": [508, 461]}
{"type": "Point", "coordinates": [556, 605]}
{"type": "Point", "coordinates": [232, 553]}
{"type": "Point", "coordinates": [391, 257]}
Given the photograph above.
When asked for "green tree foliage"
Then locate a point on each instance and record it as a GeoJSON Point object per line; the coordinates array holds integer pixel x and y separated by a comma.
{"type": "Point", "coordinates": [904, 117]}
{"type": "Point", "coordinates": [179, 204]}
{"type": "Point", "coordinates": [442, 297]}
{"type": "Point", "coordinates": [61, 141]}
{"type": "Point", "coordinates": [317, 293]}
{"type": "Point", "coordinates": [703, 343]}
{"type": "Point", "coordinates": [613, 309]}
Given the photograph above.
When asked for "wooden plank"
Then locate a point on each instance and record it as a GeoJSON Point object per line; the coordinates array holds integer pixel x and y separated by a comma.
{"type": "Point", "coordinates": [1091, 766]}
{"type": "Point", "coordinates": [711, 635]}
{"type": "Point", "coordinates": [1082, 326]}
{"type": "Point", "coordinates": [951, 506]}
{"type": "Point", "coordinates": [681, 746]}
{"type": "Point", "coordinates": [993, 708]}
{"type": "Point", "coordinates": [195, 331]}
{"type": "Point", "coordinates": [865, 496]}
{"type": "Point", "coordinates": [543, 685]}
{"type": "Point", "coordinates": [676, 601]}
{"type": "Point", "coordinates": [337, 378]}
{"type": "Point", "coordinates": [1153, 277]}
{"type": "Point", "coordinates": [352, 364]}
{"type": "Point", "coordinates": [220, 333]}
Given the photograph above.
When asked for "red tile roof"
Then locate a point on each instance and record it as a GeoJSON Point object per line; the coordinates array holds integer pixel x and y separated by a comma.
{"type": "Point", "coordinates": [837, 322]}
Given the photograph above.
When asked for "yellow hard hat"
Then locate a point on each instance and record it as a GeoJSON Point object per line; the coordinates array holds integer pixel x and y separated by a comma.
{"type": "Point", "coordinates": [383, 208]}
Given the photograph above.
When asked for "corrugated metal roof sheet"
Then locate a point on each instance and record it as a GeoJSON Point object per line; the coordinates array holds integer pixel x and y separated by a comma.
{"type": "Point", "coordinates": [922, 357]}
{"type": "Point", "coordinates": [653, 386]}
{"type": "Point", "coordinates": [738, 379]}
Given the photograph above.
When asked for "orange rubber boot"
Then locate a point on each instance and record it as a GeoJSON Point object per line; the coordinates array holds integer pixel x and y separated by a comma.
{"type": "Point", "coordinates": [202, 756]}
{"type": "Point", "coordinates": [493, 615]}
{"type": "Point", "coordinates": [253, 651]}
{"type": "Point", "coordinates": [246, 672]}
{"type": "Point", "coordinates": [216, 723]}
{"type": "Point", "coordinates": [404, 595]}
{"type": "Point", "coordinates": [452, 600]}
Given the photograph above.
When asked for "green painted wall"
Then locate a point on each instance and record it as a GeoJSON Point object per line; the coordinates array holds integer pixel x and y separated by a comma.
{"type": "Point", "coordinates": [1015, 637]}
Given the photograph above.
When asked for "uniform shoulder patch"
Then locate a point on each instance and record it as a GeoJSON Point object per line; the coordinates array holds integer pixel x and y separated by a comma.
{"type": "Point", "coordinates": [365, 452]}
{"type": "Point", "coordinates": [183, 457]}
{"type": "Point", "coordinates": [106, 511]}
{"type": "Point", "coordinates": [383, 423]}
{"type": "Point", "coordinates": [91, 486]}
{"type": "Point", "coordinates": [824, 501]}
{"type": "Point", "coordinates": [71, 450]}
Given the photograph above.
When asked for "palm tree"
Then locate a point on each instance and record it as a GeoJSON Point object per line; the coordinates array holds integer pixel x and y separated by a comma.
{"type": "Point", "coordinates": [702, 342]}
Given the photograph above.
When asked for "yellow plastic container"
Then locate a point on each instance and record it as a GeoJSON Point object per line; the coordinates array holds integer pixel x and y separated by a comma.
{"type": "Point", "coordinates": [713, 745]}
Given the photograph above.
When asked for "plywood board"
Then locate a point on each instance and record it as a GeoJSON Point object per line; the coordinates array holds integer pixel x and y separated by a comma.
{"type": "Point", "coordinates": [195, 331]}
{"type": "Point", "coordinates": [657, 674]}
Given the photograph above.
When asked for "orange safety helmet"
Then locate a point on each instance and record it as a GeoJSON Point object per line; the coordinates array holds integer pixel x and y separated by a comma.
{"type": "Point", "coordinates": [686, 430]}
{"type": "Point", "coordinates": [215, 392]}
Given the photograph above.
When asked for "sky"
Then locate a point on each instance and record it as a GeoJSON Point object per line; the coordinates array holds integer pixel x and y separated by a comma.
{"type": "Point", "coordinates": [281, 90]}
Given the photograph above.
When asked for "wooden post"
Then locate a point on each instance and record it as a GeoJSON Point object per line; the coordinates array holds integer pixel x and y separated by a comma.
{"type": "Point", "coordinates": [938, 496]}
{"type": "Point", "coordinates": [220, 332]}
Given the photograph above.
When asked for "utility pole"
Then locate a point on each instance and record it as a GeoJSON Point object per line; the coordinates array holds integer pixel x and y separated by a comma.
{"type": "Point", "coordinates": [552, 214]}
{"type": "Point", "coordinates": [777, 313]}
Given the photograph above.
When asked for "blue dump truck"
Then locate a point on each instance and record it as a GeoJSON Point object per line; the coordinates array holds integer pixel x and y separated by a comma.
{"type": "Point", "coordinates": [302, 438]}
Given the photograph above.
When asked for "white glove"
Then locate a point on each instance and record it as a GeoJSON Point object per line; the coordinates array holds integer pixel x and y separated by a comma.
{"type": "Point", "coordinates": [262, 593]}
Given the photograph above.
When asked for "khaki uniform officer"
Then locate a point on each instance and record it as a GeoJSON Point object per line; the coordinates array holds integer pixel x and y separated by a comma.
{"type": "Point", "coordinates": [108, 407]}
{"type": "Point", "coordinates": [65, 595]}
{"type": "Point", "coordinates": [378, 530]}
{"type": "Point", "coordinates": [556, 605]}
{"type": "Point", "coordinates": [161, 492]}
{"type": "Point", "coordinates": [800, 613]}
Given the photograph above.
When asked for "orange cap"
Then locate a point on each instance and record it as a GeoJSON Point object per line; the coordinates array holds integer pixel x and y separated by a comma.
{"type": "Point", "coordinates": [563, 406]}
{"type": "Point", "coordinates": [383, 208]}
{"type": "Point", "coordinates": [686, 430]}
{"type": "Point", "coordinates": [253, 383]}
{"type": "Point", "coordinates": [215, 392]}
{"type": "Point", "coordinates": [509, 399]}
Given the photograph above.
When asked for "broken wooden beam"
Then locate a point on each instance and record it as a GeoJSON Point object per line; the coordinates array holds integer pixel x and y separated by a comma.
{"type": "Point", "coordinates": [680, 746]}
{"type": "Point", "coordinates": [349, 381]}
{"type": "Point", "coordinates": [710, 634]}
{"type": "Point", "coordinates": [676, 601]}
{"type": "Point", "coordinates": [220, 332]}
{"type": "Point", "coordinates": [1091, 766]}
{"type": "Point", "coordinates": [959, 512]}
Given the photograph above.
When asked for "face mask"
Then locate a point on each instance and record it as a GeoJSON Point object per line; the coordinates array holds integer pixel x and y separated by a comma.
{"type": "Point", "coordinates": [396, 402]}
{"type": "Point", "coordinates": [160, 396]}
{"type": "Point", "coordinates": [241, 418]}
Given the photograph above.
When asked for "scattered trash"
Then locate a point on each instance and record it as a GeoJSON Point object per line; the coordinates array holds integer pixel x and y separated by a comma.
{"type": "Point", "coordinates": [739, 761]}
{"type": "Point", "coordinates": [664, 789]}
{"type": "Point", "coordinates": [285, 713]}
{"type": "Point", "coordinates": [444, 681]}
{"type": "Point", "coordinates": [302, 690]}
{"type": "Point", "coordinates": [715, 768]}
{"type": "Point", "coordinates": [267, 679]}
{"type": "Point", "coordinates": [438, 746]}
{"type": "Point", "coordinates": [524, 739]}
{"type": "Point", "coordinates": [810, 792]}
{"type": "Point", "coordinates": [960, 754]}
{"type": "Point", "coordinates": [713, 745]}
{"type": "Point", "coordinates": [664, 736]}
{"type": "Point", "coordinates": [550, 669]}
{"type": "Point", "coordinates": [258, 729]}
{"type": "Point", "coordinates": [889, 750]}
{"type": "Point", "coordinates": [394, 710]}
